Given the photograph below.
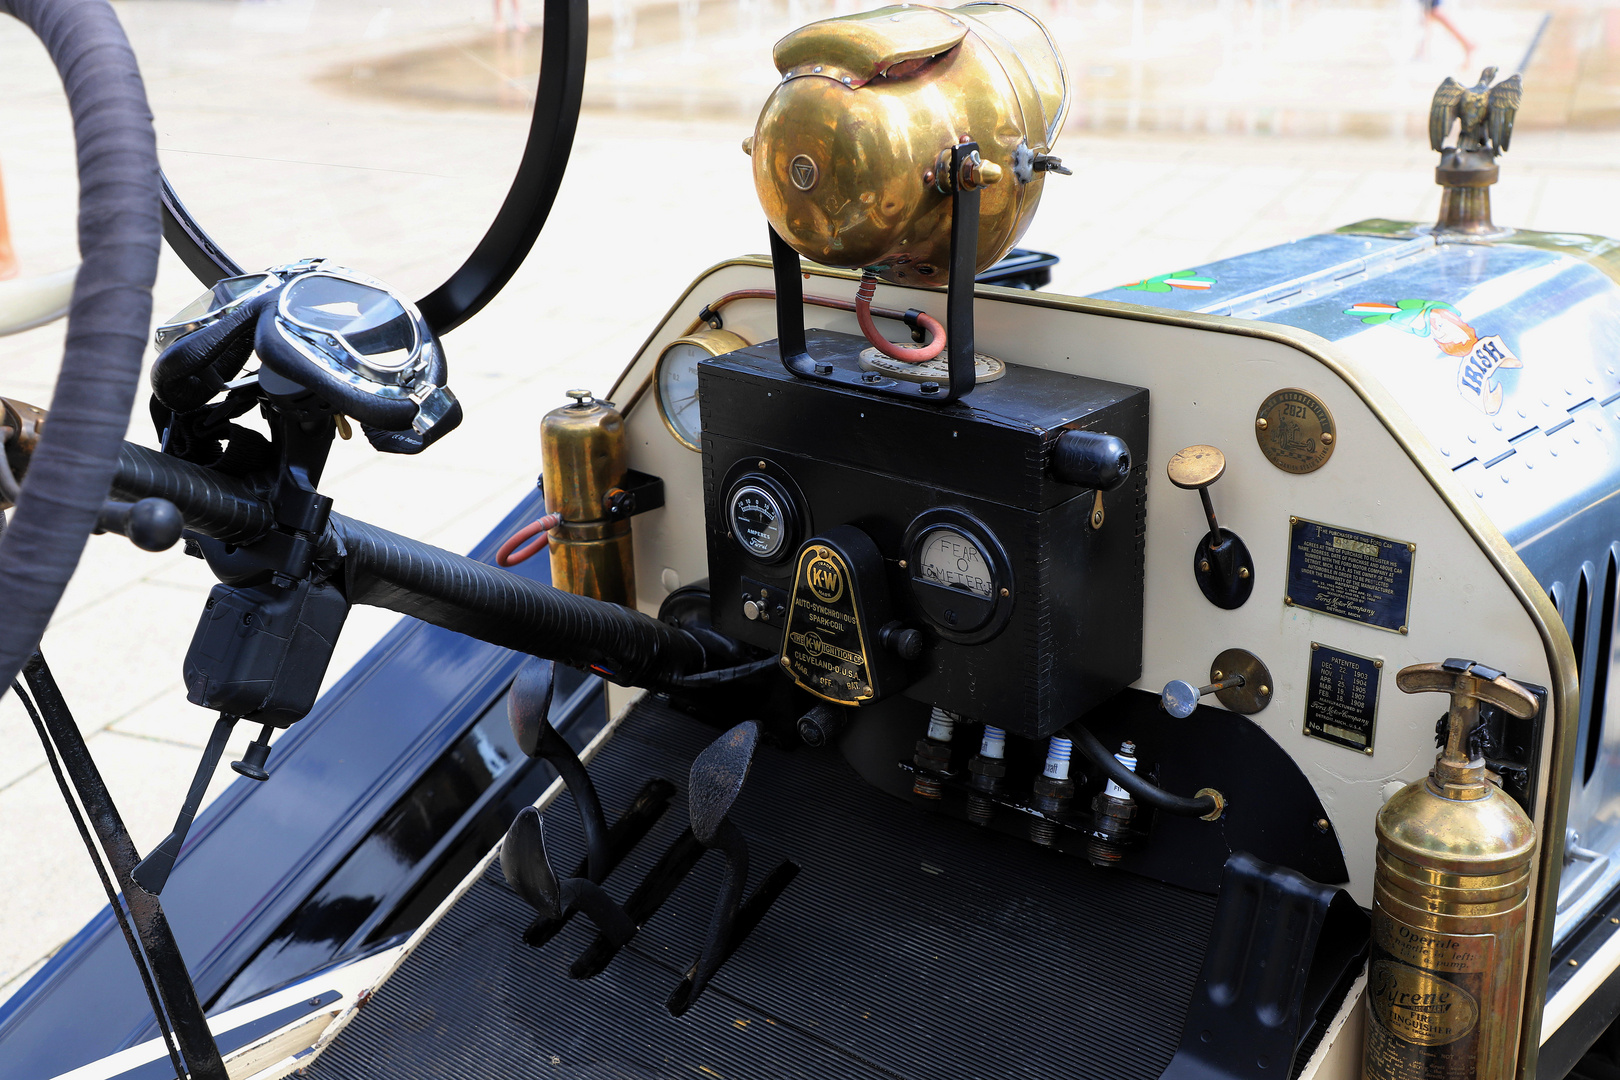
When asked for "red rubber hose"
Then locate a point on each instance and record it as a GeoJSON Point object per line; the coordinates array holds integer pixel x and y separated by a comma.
{"type": "Point", "coordinates": [911, 354]}
{"type": "Point", "coordinates": [508, 555]}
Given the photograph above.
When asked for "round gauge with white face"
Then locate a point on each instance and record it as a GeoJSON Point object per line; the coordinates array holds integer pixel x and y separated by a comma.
{"type": "Point", "coordinates": [960, 576]}
{"type": "Point", "coordinates": [949, 557]}
{"type": "Point", "coordinates": [762, 517]}
{"type": "Point", "coordinates": [678, 381]}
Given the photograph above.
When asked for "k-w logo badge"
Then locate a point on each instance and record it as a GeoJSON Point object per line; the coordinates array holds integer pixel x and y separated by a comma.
{"type": "Point", "coordinates": [803, 172]}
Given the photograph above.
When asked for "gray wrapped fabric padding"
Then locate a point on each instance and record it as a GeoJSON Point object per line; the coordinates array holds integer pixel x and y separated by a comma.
{"type": "Point", "coordinates": [120, 229]}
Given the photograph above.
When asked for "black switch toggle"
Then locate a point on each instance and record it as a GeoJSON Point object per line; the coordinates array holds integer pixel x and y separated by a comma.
{"type": "Point", "coordinates": [1091, 459]}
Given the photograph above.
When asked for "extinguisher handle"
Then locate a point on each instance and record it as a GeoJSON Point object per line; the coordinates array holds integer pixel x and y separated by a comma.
{"type": "Point", "coordinates": [1469, 679]}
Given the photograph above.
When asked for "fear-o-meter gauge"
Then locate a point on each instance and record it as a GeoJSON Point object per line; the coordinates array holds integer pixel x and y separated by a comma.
{"type": "Point", "coordinates": [959, 575]}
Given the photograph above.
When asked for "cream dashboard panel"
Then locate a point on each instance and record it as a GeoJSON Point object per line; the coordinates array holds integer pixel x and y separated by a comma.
{"type": "Point", "coordinates": [1206, 384]}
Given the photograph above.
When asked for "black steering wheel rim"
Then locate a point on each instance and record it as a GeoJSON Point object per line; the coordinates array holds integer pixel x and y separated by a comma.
{"type": "Point", "coordinates": [120, 236]}
{"type": "Point", "coordinates": [523, 212]}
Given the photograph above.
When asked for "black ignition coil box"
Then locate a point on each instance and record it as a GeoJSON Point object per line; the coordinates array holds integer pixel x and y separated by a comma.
{"type": "Point", "coordinates": [1029, 613]}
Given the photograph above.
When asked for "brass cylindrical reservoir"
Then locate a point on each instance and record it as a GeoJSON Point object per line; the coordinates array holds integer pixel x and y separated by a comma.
{"type": "Point", "coordinates": [1446, 979]}
{"type": "Point", "coordinates": [583, 462]}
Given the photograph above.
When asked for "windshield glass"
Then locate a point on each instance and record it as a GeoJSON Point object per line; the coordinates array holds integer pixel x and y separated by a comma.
{"type": "Point", "coordinates": [377, 134]}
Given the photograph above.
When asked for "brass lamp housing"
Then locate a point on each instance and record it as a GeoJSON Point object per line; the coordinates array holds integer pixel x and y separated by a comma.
{"type": "Point", "coordinates": [847, 151]}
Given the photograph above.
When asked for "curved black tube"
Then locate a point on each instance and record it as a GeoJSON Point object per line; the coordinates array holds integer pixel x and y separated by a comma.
{"type": "Point", "coordinates": [119, 237]}
{"type": "Point", "coordinates": [212, 503]}
{"type": "Point", "coordinates": [545, 157]}
{"type": "Point", "coordinates": [191, 242]}
{"type": "Point", "coordinates": [561, 756]}
{"type": "Point", "coordinates": [1141, 790]}
{"type": "Point", "coordinates": [384, 569]}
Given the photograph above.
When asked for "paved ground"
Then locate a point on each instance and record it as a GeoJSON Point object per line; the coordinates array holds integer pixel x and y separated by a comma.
{"type": "Point", "coordinates": [384, 135]}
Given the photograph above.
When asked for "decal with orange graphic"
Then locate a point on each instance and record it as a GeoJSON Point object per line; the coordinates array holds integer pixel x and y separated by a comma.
{"type": "Point", "coordinates": [1482, 357]}
{"type": "Point", "coordinates": [1185, 279]}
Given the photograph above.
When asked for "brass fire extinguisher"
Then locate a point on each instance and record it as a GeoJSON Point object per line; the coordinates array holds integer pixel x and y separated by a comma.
{"type": "Point", "coordinates": [583, 462]}
{"type": "Point", "coordinates": [1450, 901]}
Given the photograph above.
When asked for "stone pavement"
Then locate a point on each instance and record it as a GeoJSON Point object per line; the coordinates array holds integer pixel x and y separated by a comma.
{"type": "Point", "coordinates": [385, 135]}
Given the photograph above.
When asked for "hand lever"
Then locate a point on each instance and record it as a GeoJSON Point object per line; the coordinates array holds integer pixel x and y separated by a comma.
{"type": "Point", "coordinates": [1221, 560]}
{"type": "Point", "coordinates": [1460, 771]}
{"type": "Point", "coordinates": [1179, 698]}
{"type": "Point", "coordinates": [527, 706]}
{"type": "Point", "coordinates": [152, 524]}
{"type": "Point", "coordinates": [716, 781]}
{"type": "Point", "coordinates": [152, 872]}
{"type": "Point", "coordinates": [528, 871]}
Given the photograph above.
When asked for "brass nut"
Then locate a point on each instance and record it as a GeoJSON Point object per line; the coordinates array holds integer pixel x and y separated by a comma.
{"type": "Point", "coordinates": [1220, 803]}
{"type": "Point", "coordinates": [977, 172]}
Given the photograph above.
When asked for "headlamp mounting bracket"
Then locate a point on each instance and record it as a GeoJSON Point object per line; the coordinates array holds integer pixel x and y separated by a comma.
{"type": "Point", "coordinates": [790, 333]}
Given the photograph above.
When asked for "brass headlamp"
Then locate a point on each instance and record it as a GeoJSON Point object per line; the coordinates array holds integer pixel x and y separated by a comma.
{"type": "Point", "coordinates": [848, 150]}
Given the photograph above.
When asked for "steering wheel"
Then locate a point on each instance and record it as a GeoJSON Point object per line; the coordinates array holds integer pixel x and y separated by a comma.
{"type": "Point", "coordinates": [120, 232]}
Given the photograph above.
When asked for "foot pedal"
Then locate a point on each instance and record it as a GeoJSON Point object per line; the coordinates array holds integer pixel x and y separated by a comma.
{"type": "Point", "coordinates": [624, 834]}
{"type": "Point", "coordinates": [1282, 953]}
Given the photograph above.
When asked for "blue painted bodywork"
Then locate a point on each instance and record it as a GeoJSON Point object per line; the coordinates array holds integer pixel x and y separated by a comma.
{"type": "Point", "coordinates": [260, 853]}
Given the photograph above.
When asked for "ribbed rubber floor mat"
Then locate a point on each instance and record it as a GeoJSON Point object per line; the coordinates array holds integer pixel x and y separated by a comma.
{"type": "Point", "coordinates": [909, 945]}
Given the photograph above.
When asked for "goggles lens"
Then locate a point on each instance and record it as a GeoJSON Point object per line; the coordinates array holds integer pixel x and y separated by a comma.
{"type": "Point", "coordinates": [369, 320]}
{"type": "Point", "coordinates": [212, 303]}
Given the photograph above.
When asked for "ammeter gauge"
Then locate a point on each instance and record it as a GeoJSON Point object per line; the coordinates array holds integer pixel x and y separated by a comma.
{"type": "Point", "coordinates": [959, 575]}
{"type": "Point", "coordinates": [763, 518]}
{"type": "Point", "coordinates": [678, 380]}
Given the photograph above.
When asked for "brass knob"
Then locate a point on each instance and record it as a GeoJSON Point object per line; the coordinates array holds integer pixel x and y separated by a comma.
{"type": "Point", "coordinates": [1194, 468]}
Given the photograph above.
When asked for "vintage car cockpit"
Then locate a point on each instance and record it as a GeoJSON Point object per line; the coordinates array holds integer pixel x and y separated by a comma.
{"type": "Point", "coordinates": [919, 677]}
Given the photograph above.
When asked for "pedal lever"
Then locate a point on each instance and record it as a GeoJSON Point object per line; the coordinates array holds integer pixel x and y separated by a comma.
{"type": "Point", "coordinates": [528, 704]}
{"type": "Point", "coordinates": [528, 870]}
{"type": "Point", "coordinates": [632, 826]}
{"type": "Point", "coordinates": [661, 881]}
{"type": "Point", "coordinates": [716, 781]}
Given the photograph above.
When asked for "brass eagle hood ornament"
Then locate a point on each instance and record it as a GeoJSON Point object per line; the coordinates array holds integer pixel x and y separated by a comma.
{"type": "Point", "coordinates": [1484, 116]}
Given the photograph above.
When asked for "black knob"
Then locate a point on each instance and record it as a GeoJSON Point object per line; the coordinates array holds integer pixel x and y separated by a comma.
{"type": "Point", "coordinates": [904, 642]}
{"type": "Point", "coordinates": [257, 753]}
{"type": "Point", "coordinates": [151, 524]}
{"type": "Point", "coordinates": [1091, 459]}
{"type": "Point", "coordinates": [821, 725]}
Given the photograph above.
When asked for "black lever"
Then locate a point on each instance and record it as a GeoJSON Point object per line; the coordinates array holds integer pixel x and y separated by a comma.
{"type": "Point", "coordinates": [527, 706]}
{"type": "Point", "coordinates": [528, 871]}
{"type": "Point", "coordinates": [716, 781]}
{"type": "Point", "coordinates": [151, 524]}
{"type": "Point", "coordinates": [152, 872]}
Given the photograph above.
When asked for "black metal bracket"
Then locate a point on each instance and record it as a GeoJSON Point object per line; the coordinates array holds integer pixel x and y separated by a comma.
{"type": "Point", "coordinates": [637, 493]}
{"type": "Point", "coordinates": [958, 307]}
{"type": "Point", "coordinates": [1224, 570]}
{"type": "Point", "coordinates": [1282, 952]}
